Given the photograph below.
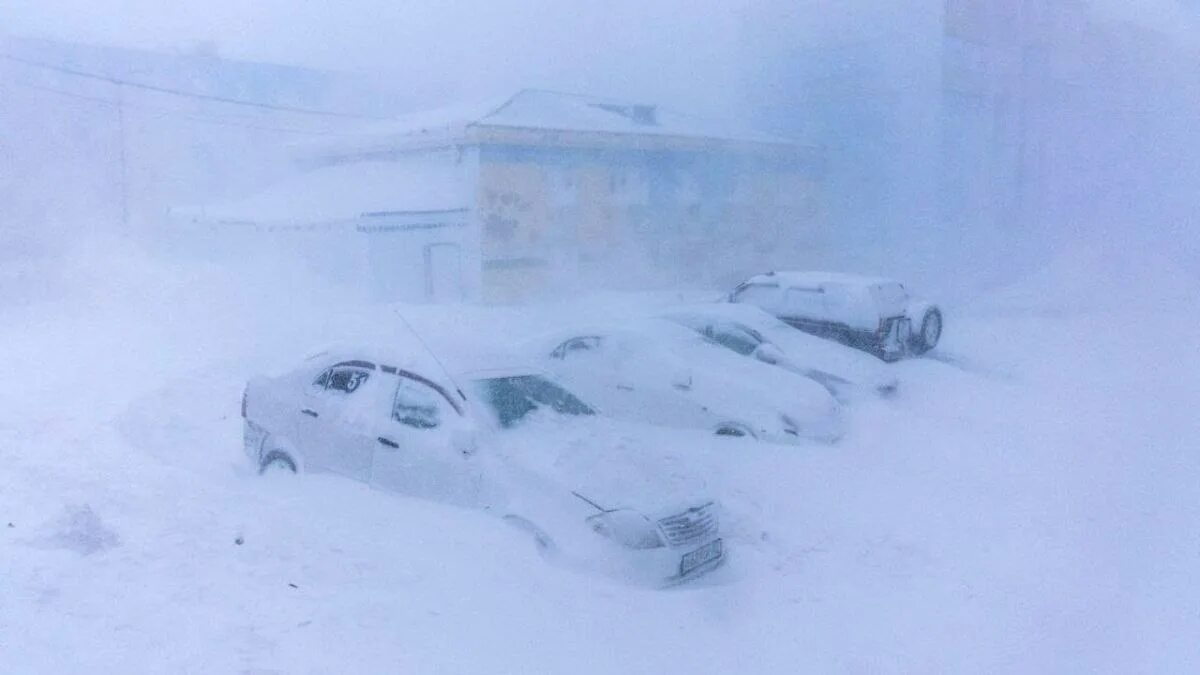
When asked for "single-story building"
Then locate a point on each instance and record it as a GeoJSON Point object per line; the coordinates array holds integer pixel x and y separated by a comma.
{"type": "Point", "coordinates": [544, 193]}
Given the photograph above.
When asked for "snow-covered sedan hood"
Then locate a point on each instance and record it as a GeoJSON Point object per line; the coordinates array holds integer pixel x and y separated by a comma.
{"type": "Point", "coordinates": [612, 464]}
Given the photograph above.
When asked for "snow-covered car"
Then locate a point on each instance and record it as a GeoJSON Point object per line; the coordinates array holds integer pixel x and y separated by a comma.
{"type": "Point", "coordinates": [848, 373]}
{"type": "Point", "coordinates": [514, 443]}
{"type": "Point", "coordinates": [654, 371]}
{"type": "Point", "coordinates": [874, 314]}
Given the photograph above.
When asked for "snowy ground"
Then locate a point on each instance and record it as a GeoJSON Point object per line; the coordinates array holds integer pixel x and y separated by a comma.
{"type": "Point", "coordinates": [1029, 504]}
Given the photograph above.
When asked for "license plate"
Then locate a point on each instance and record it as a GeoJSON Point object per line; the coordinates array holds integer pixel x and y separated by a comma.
{"type": "Point", "coordinates": [701, 556]}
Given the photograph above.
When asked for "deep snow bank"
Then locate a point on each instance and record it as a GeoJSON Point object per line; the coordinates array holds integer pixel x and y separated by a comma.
{"type": "Point", "coordinates": [1027, 505]}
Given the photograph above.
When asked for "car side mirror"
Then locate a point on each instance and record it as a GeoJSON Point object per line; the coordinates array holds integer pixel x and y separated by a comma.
{"type": "Point", "coordinates": [768, 353]}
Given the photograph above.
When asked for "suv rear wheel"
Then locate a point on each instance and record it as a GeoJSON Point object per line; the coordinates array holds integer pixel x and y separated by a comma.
{"type": "Point", "coordinates": [931, 332]}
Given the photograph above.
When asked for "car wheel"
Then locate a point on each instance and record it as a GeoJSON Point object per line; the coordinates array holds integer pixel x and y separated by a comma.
{"type": "Point", "coordinates": [735, 429]}
{"type": "Point", "coordinates": [931, 332]}
{"type": "Point", "coordinates": [277, 463]}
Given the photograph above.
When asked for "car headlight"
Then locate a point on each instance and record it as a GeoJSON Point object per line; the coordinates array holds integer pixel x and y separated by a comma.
{"type": "Point", "coordinates": [628, 528]}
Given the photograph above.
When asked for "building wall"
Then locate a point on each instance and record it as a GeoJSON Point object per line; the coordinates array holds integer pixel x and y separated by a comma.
{"type": "Point", "coordinates": [555, 220]}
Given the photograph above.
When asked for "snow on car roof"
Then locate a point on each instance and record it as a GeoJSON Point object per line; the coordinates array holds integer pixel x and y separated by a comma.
{"type": "Point", "coordinates": [817, 278]}
{"type": "Point", "coordinates": [486, 362]}
{"type": "Point", "coordinates": [415, 359]}
{"type": "Point", "coordinates": [728, 311]}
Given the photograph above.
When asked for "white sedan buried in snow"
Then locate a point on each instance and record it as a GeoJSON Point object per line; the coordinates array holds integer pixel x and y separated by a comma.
{"type": "Point", "coordinates": [873, 314]}
{"type": "Point", "coordinates": [517, 445]}
{"type": "Point", "coordinates": [657, 372]}
{"type": "Point", "coordinates": [848, 373]}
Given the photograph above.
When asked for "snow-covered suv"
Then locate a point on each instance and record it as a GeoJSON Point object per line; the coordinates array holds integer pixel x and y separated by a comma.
{"type": "Point", "coordinates": [874, 314]}
{"type": "Point", "coordinates": [515, 443]}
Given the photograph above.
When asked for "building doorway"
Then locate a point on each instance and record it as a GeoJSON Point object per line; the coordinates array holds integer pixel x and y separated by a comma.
{"type": "Point", "coordinates": [443, 272]}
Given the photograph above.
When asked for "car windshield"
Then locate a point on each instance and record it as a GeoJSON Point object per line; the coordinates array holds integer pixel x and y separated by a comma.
{"type": "Point", "coordinates": [513, 398]}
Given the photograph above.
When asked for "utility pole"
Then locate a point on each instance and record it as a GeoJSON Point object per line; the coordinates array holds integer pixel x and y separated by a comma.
{"type": "Point", "coordinates": [124, 166]}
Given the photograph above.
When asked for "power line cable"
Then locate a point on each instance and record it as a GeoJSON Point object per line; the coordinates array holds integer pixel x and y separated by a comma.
{"type": "Point", "coordinates": [180, 92]}
{"type": "Point", "coordinates": [165, 112]}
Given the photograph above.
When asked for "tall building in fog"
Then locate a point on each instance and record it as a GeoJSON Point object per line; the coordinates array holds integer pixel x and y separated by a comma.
{"type": "Point", "coordinates": [968, 126]}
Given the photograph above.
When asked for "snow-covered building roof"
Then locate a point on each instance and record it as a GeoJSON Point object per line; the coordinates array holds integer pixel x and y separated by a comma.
{"type": "Point", "coordinates": [344, 193]}
{"type": "Point", "coordinates": [540, 111]}
{"type": "Point", "coordinates": [818, 278]}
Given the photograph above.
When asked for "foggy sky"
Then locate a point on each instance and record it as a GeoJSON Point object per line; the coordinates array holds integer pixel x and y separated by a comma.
{"type": "Point", "coordinates": [688, 52]}
{"type": "Point", "coordinates": [668, 49]}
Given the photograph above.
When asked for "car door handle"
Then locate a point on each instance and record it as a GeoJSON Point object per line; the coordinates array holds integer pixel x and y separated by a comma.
{"type": "Point", "coordinates": [388, 442]}
{"type": "Point", "coordinates": [310, 413]}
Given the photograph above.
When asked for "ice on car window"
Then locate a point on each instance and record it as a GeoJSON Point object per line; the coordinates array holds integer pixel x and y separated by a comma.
{"type": "Point", "coordinates": [513, 398]}
{"type": "Point", "coordinates": [346, 380]}
{"type": "Point", "coordinates": [416, 405]}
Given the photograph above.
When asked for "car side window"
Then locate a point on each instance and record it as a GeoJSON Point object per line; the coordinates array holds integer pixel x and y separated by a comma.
{"type": "Point", "coordinates": [416, 405]}
{"type": "Point", "coordinates": [585, 343]}
{"type": "Point", "coordinates": [734, 338]}
{"type": "Point", "coordinates": [345, 379]}
{"type": "Point", "coordinates": [804, 301]}
{"type": "Point", "coordinates": [322, 380]}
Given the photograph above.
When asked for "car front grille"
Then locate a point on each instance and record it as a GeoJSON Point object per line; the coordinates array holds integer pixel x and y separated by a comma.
{"type": "Point", "coordinates": [695, 524]}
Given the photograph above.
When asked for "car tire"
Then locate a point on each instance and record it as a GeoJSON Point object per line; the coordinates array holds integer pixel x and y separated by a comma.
{"type": "Point", "coordinates": [277, 462]}
{"type": "Point", "coordinates": [736, 430]}
{"type": "Point", "coordinates": [930, 333]}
